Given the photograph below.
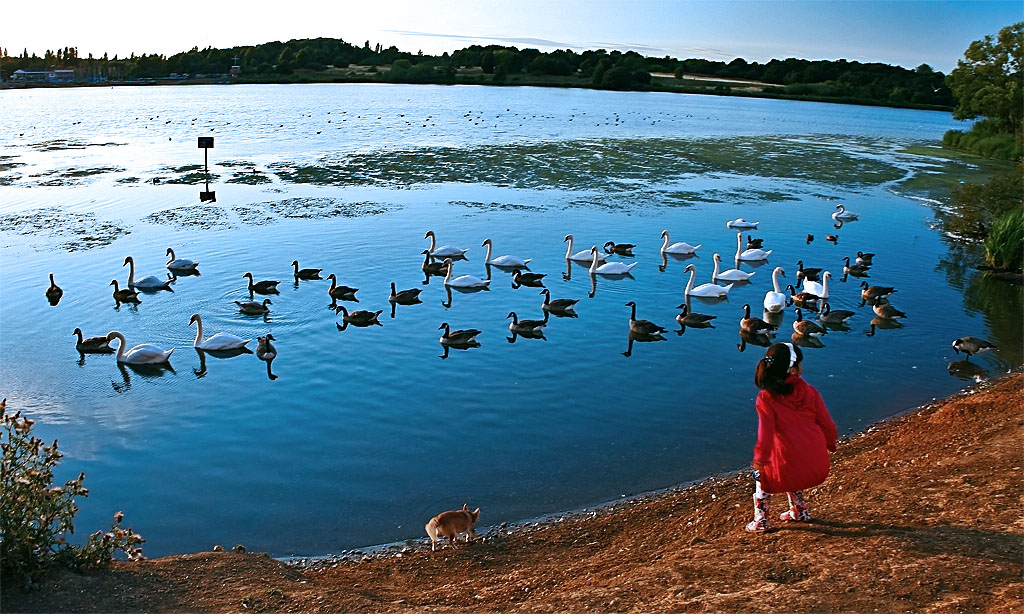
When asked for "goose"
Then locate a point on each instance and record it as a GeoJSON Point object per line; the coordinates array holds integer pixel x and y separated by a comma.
{"type": "Point", "coordinates": [680, 247]}
{"type": "Point", "coordinates": [755, 325]}
{"type": "Point", "coordinates": [508, 261]}
{"type": "Point", "coordinates": [558, 305]}
{"type": "Point", "coordinates": [262, 287]}
{"type": "Point", "coordinates": [741, 223]}
{"type": "Point", "coordinates": [527, 279]}
{"type": "Point", "coordinates": [695, 320]}
{"type": "Point", "coordinates": [971, 346]}
{"type": "Point", "coordinates": [642, 327]}
{"type": "Point", "coordinates": [857, 270]}
{"type": "Point", "coordinates": [810, 238]}
{"type": "Point", "coordinates": [305, 273]}
{"type": "Point", "coordinates": [179, 264]}
{"type": "Point", "coordinates": [253, 308]}
{"type": "Point", "coordinates": [458, 337]}
{"type": "Point", "coordinates": [265, 350]}
{"type": "Point", "coordinates": [834, 239]}
{"type": "Point", "coordinates": [811, 273]}
{"type": "Point", "coordinates": [750, 254]}
{"type": "Point", "coordinates": [583, 255]}
{"type": "Point", "coordinates": [608, 268]}
{"type": "Point", "coordinates": [819, 289]}
{"type": "Point", "coordinates": [884, 309]}
{"type": "Point", "coordinates": [838, 316]}
{"type": "Point", "coordinates": [865, 258]}
{"type": "Point", "coordinates": [729, 275]}
{"type": "Point", "coordinates": [775, 300]}
{"type": "Point", "coordinates": [430, 267]}
{"type": "Point", "coordinates": [806, 327]}
{"type": "Point", "coordinates": [220, 341]}
{"type": "Point", "coordinates": [125, 296]}
{"type": "Point", "coordinates": [150, 282]}
{"type": "Point", "coordinates": [753, 243]}
{"type": "Point", "coordinates": [404, 297]}
{"type": "Point", "coordinates": [525, 326]}
{"type": "Point", "coordinates": [445, 251]}
{"type": "Point", "coordinates": [463, 281]}
{"type": "Point", "coordinates": [91, 344]}
{"type": "Point", "coordinates": [142, 354]}
{"type": "Point", "coordinates": [53, 293]}
{"type": "Point", "coordinates": [802, 299]}
{"type": "Point", "coordinates": [706, 290]}
{"type": "Point", "coordinates": [842, 215]}
{"type": "Point", "coordinates": [360, 318]}
{"type": "Point", "coordinates": [871, 293]}
{"type": "Point", "coordinates": [343, 292]}
{"type": "Point", "coordinates": [622, 249]}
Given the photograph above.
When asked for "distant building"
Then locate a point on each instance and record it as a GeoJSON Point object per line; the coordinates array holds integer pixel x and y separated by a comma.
{"type": "Point", "coordinates": [61, 75]}
{"type": "Point", "coordinates": [235, 71]}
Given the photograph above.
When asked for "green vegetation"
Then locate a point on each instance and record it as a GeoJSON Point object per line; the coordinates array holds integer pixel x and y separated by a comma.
{"type": "Point", "coordinates": [1004, 245]}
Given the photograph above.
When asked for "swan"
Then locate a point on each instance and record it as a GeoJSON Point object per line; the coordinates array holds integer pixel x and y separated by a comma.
{"type": "Point", "coordinates": [818, 289]}
{"type": "Point", "coordinates": [503, 260]}
{"type": "Point", "coordinates": [254, 309]}
{"type": "Point", "coordinates": [750, 254]}
{"type": "Point", "coordinates": [526, 326]}
{"type": "Point", "coordinates": [265, 350]}
{"type": "Point", "coordinates": [150, 282]}
{"type": "Point", "coordinates": [681, 247]}
{"type": "Point", "coordinates": [263, 287]}
{"type": "Point", "coordinates": [706, 290]}
{"type": "Point", "coordinates": [642, 327]}
{"type": "Point", "coordinates": [755, 325]}
{"type": "Point", "coordinates": [741, 223]}
{"type": "Point", "coordinates": [584, 255]}
{"type": "Point", "coordinates": [404, 297]}
{"type": "Point", "coordinates": [806, 327]}
{"type": "Point", "coordinates": [731, 274]}
{"type": "Point", "coordinates": [608, 268]}
{"type": "Point", "coordinates": [125, 296]}
{"type": "Point", "coordinates": [179, 264]}
{"type": "Point", "coordinates": [91, 344]}
{"type": "Point", "coordinates": [220, 341]}
{"type": "Point", "coordinates": [842, 215]}
{"type": "Point", "coordinates": [462, 281]}
{"type": "Point", "coordinates": [445, 251]}
{"type": "Point", "coordinates": [693, 319]}
{"type": "Point", "coordinates": [775, 300]}
{"type": "Point", "coordinates": [558, 305]}
{"type": "Point", "coordinates": [142, 354]}
{"type": "Point", "coordinates": [53, 293]}
{"type": "Point", "coordinates": [305, 273]}
{"type": "Point", "coordinates": [460, 337]}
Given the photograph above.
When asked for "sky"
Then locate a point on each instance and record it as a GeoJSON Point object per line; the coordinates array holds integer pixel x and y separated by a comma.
{"type": "Point", "coordinates": [904, 32]}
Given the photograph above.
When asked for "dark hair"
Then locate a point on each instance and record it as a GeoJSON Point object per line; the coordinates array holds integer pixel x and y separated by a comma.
{"type": "Point", "coordinates": [773, 369]}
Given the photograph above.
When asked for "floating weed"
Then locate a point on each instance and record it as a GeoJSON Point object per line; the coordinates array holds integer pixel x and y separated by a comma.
{"type": "Point", "coordinates": [127, 180]}
{"type": "Point", "coordinates": [495, 206]}
{"type": "Point", "coordinates": [193, 178]}
{"type": "Point", "coordinates": [253, 216]}
{"type": "Point", "coordinates": [85, 229]}
{"type": "Point", "coordinates": [65, 144]}
{"type": "Point", "coordinates": [324, 208]}
{"type": "Point", "coordinates": [6, 165]}
{"type": "Point", "coordinates": [191, 216]}
{"type": "Point", "coordinates": [73, 176]}
{"type": "Point", "coordinates": [251, 178]}
{"type": "Point", "coordinates": [7, 180]}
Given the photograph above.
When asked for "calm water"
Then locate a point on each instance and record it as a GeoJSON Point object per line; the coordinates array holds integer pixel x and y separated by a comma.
{"type": "Point", "coordinates": [367, 432]}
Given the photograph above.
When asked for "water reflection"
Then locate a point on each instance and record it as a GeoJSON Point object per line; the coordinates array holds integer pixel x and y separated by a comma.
{"type": "Point", "coordinates": [218, 354]}
{"type": "Point", "coordinates": [267, 352]}
{"type": "Point", "coordinates": [967, 370]}
{"type": "Point", "coordinates": [757, 339]}
{"type": "Point", "coordinates": [640, 338]}
{"type": "Point", "coordinates": [146, 371]}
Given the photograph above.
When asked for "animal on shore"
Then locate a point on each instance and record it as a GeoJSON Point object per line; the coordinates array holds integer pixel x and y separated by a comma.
{"type": "Point", "coordinates": [971, 346]}
{"type": "Point", "coordinates": [451, 524]}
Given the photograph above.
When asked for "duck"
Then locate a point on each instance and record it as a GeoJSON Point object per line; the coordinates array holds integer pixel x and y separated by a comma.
{"type": "Point", "coordinates": [842, 215]}
{"type": "Point", "coordinates": [265, 350]}
{"type": "Point", "coordinates": [54, 292]}
{"type": "Point", "coordinates": [463, 281]}
{"type": "Point", "coordinates": [871, 293]}
{"type": "Point", "coordinates": [525, 326]}
{"type": "Point", "coordinates": [754, 243]}
{"type": "Point", "coordinates": [458, 337]}
{"type": "Point", "coordinates": [806, 327]}
{"type": "Point", "coordinates": [775, 300]}
{"type": "Point", "coordinates": [865, 258]}
{"type": "Point", "coordinates": [811, 273]}
{"type": "Point", "coordinates": [404, 297]}
{"type": "Point", "coordinates": [642, 327]}
{"type": "Point", "coordinates": [693, 319]}
{"type": "Point", "coordinates": [430, 267]}
{"type": "Point", "coordinates": [508, 261]}
{"type": "Point", "coordinates": [833, 239]}
{"type": "Point", "coordinates": [755, 325]}
{"type": "Point", "coordinates": [884, 309]}
{"type": "Point", "coordinates": [219, 341]}
{"type": "Point", "coordinates": [142, 354]}
{"type": "Point", "coordinates": [802, 299]}
{"type": "Point", "coordinates": [705, 290]}
{"type": "Point", "coordinates": [179, 264]}
{"type": "Point", "coordinates": [741, 223]}
{"type": "Point", "coordinates": [359, 318]}
{"type": "Point", "coordinates": [622, 249]}
{"type": "Point", "coordinates": [343, 292]}
{"type": "Point", "coordinates": [857, 270]}
{"type": "Point", "coordinates": [583, 255]}
{"type": "Point", "coordinates": [125, 296]}
{"type": "Point", "coordinates": [150, 282]}
{"type": "Point", "coordinates": [253, 308]}
{"type": "Point", "coordinates": [445, 251]}
{"type": "Point", "coordinates": [262, 287]}
{"type": "Point", "coordinates": [558, 305]}
{"type": "Point", "coordinates": [527, 279]}
{"type": "Point", "coordinates": [819, 289]}
{"type": "Point", "coordinates": [608, 268]}
{"type": "Point", "coordinates": [92, 345]}
{"type": "Point", "coordinates": [810, 238]}
{"type": "Point", "coordinates": [680, 247]}
{"type": "Point", "coordinates": [971, 346]}
{"type": "Point", "coordinates": [730, 274]}
{"type": "Point", "coordinates": [837, 316]}
{"type": "Point", "coordinates": [750, 254]}
{"type": "Point", "coordinates": [305, 273]}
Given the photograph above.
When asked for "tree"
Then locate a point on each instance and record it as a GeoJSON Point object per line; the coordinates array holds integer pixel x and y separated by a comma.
{"type": "Point", "coordinates": [987, 82]}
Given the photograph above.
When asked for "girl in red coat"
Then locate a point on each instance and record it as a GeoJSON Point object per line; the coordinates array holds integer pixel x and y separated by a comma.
{"type": "Point", "coordinates": [794, 435]}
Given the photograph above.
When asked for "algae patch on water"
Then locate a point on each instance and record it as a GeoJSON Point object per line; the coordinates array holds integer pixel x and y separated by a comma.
{"type": "Point", "coordinates": [83, 230]}
{"type": "Point", "coordinates": [191, 216]}
{"type": "Point", "coordinates": [73, 176]}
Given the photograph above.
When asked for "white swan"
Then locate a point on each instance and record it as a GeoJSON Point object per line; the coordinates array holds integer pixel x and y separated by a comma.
{"type": "Point", "coordinates": [142, 354]}
{"type": "Point", "coordinates": [731, 274]}
{"type": "Point", "coordinates": [775, 301]}
{"type": "Point", "coordinates": [750, 254]}
{"type": "Point", "coordinates": [608, 268]}
{"type": "Point", "coordinates": [584, 255]}
{"type": "Point", "coordinates": [220, 341]}
{"type": "Point", "coordinates": [462, 281]}
{"type": "Point", "coordinates": [706, 290]}
{"type": "Point", "coordinates": [741, 223]}
{"type": "Point", "coordinates": [179, 264]}
{"type": "Point", "coordinates": [503, 260]}
{"type": "Point", "coordinates": [445, 251]}
{"type": "Point", "coordinates": [150, 282]}
{"type": "Point", "coordinates": [819, 289]}
{"type": "Point", "coordinates": [681, 247]}
{"type": "Point", "coordinates": [842, 215]}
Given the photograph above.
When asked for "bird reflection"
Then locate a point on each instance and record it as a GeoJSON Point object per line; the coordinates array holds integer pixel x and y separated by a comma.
{"type": "Point", "coordinates": [145, 371]}
{"type": "Point", "coordinates": [757, 339]}
{"type": "Point", "coordinates": [220, 354]}
{"type": "Point", "coordinates": [527, 334]}
{"type": "Point", "coordinates": [266, 352]}
{"type": "Point", "coordinates": [641, 338]}
{"type": "Point", "coordinates": [966, 370]}
{"type": "Point", "coordinates": [878, 323]}
{"type": "Point", "coordinates": [806, 341]}
{"type": "Point", "coordinates": [677, 257]}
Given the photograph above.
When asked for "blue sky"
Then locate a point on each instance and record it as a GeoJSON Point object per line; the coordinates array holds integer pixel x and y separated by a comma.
{"type": "Point", "coordinates": [907, 32]}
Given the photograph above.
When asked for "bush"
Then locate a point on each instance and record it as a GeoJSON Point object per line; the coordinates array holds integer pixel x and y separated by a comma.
{"type": "Point", "coordinates": [36, 518]}
{"type": "Point", "coordinates": [983, 142]}
{"type": "Point", "coordinates": [1004, 245]}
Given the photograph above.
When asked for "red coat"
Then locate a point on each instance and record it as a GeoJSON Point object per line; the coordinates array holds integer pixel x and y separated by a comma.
{"type": "Point", "coordinates": [794, 436]}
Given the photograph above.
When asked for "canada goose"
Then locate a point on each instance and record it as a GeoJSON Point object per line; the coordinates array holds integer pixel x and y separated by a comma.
{"type": "Point", "coordinates": [680, 247]}
{"type": "Point", "coordinates": [608, 268]}
{"type": "Point", "coordinates": [445, 251]}
{"type": "Point", "coordinates": [265, 350]}
{"type": "Point", "coordinates": [622, 249]}
{"type": "Point", "coordinates": [810, 238]}
{"type": "Point", "coordinates": [810, 273]}
{"type": "Point", "coordinates": [125, 296]}
{"type": "Point", "coordinates": [749, 254]}
{"type": "Point", "coordinates": [838, 316]}
{"type": "Point", "coordinates": [730, 274]}
{"type": "Point", "coordinates": [404, 297]}
{"type": "Point", "coordinates": [305, 273]}
{"type": "Point", "coordinates": [642, 327]}
{"type": "Point", "coordinates": [464, 281]}
{"type": "Point", "coordinates": [528, 279]}
{"type": "Point", "coordinates": [509, 261]}
{"type": "Point", "coordinates": [219, 341]}
{"type": "Point", "coordinates": [806, 327]}
{"type": "Point", "coordinates": [53, 293]}
{"type": "Point", "coordinates": [753, 243]}
{"type": "Point", "coordinates": [150, 282]}
{"type": "Point", "coordinates": [971, 346]}
{"type": "Point", "coordinates": [693, 319]}
{"type": "Point", "coordinates": [360, 318]}
{"type": "Point", "coordinates": [526, 326]}
{"type": "Point", "coordinates": [558, 305]}
{"type": "Point", "coordinates": [865, 258]}
{"type": "Point", "coordinates": [705, 290]}
{"type": "Point", "coordinates": [834, 239]}
{"type": "Point", "coordinates": [179, 264]}
{"type": "Point", "coordinates": [262, 287]}
{"type": "Point", "coordinates": [430, 267]}
{"type": "Point", "coordinates": [774, 299]}
{"type": "Point", "coordinates": [92, 344]}
{"type": "Point", "coordinates": [741, 223]}
{"type": "Point", "coordinates": [142, 354]}
{"type": "Point", "coordinates": [253, 308]}
{"type": "Point", "coordinates": [463, 337]}
{"type": "Point", "coordinates": [755, 325]}
{"type": "Point", "coordinates": [884, 309]}
{"type": "Point", "coordinates": [857, 270]}
{"type": "Point", "coordinates": [842, 215]}
{"type": "Point", "coordinates": [803, 299]}
{"type": "Point", "coordinates": [583, 255]}
{"type": "Point", "coordinates": [343, 292]}
{"type": "Point", "coordinates": [871, 293]}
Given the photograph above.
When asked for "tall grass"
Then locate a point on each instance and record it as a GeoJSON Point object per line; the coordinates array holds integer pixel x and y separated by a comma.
{"type": "Point", "coordinates": [997, 145]}
{"type": "Point", "coordinates": [1004, 245]}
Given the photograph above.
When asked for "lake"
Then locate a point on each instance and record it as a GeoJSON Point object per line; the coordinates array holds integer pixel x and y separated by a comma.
{"type": "Point", "coordinates": [363, 434]}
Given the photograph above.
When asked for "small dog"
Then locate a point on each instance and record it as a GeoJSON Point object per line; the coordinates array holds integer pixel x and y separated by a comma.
{"type": "Point", "coordinates": [451, 524]}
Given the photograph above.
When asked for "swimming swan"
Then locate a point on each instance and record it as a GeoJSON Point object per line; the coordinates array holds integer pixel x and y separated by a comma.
{"type": "Point", "coordinates": [706, 290]}
{"type": "Point", "coordinates": [681, 247]}
{"type": "Point", "coordinates": [729, 275]}
{"type": "Point", "coordinates": [445, 251]}
{"type": "Point", "coordinates": [741, 223]}
{"type": "Point", "coordinates": [142, 354]}
{"type": "Point", "coordinates": [608, 268]}
{"type": "Point", "coordinates": [584, 255]}
{"type": "Point", "coordinates": [775, 301]}
{"type": "Point", "coordinates": [503, 260]}
{"type": "Point", "coordinates": [219, 341]}
{"type": "Point", "coordinates": [179, 264]}
{"type": "Point", "coordinates": [750, 254]}
{"type": "Point", "coordinates": [818, 289]}
{"type": "Point", "coordinates": [842, 215]}
{"type": "Point", "coordinates": [462, 281]}
{"type": "Point", "coordinates": [150, 282]}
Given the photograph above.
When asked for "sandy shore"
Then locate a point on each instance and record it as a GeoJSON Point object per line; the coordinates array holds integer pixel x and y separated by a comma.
{"type": "Point", "coordinates": [922, 513]}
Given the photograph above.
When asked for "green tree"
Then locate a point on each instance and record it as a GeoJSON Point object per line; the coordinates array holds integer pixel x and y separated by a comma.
{"type": "Point", "coordinates": [988, 81]}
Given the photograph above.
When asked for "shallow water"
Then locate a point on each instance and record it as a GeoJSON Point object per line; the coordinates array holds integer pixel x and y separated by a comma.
{"type": "Point", "coordinates": [366, 432]}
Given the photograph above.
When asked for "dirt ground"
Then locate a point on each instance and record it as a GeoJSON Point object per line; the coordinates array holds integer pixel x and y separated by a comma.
{"type": "Point", "coordinates": [922, 513]}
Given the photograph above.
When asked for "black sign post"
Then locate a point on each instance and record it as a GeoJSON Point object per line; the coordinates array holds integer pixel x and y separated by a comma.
{"type": "Point", "coordinates": [206, 144]}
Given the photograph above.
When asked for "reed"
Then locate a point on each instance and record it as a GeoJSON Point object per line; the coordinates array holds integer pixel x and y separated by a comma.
{"type": "Point", "coordinates": [1004, 245]}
